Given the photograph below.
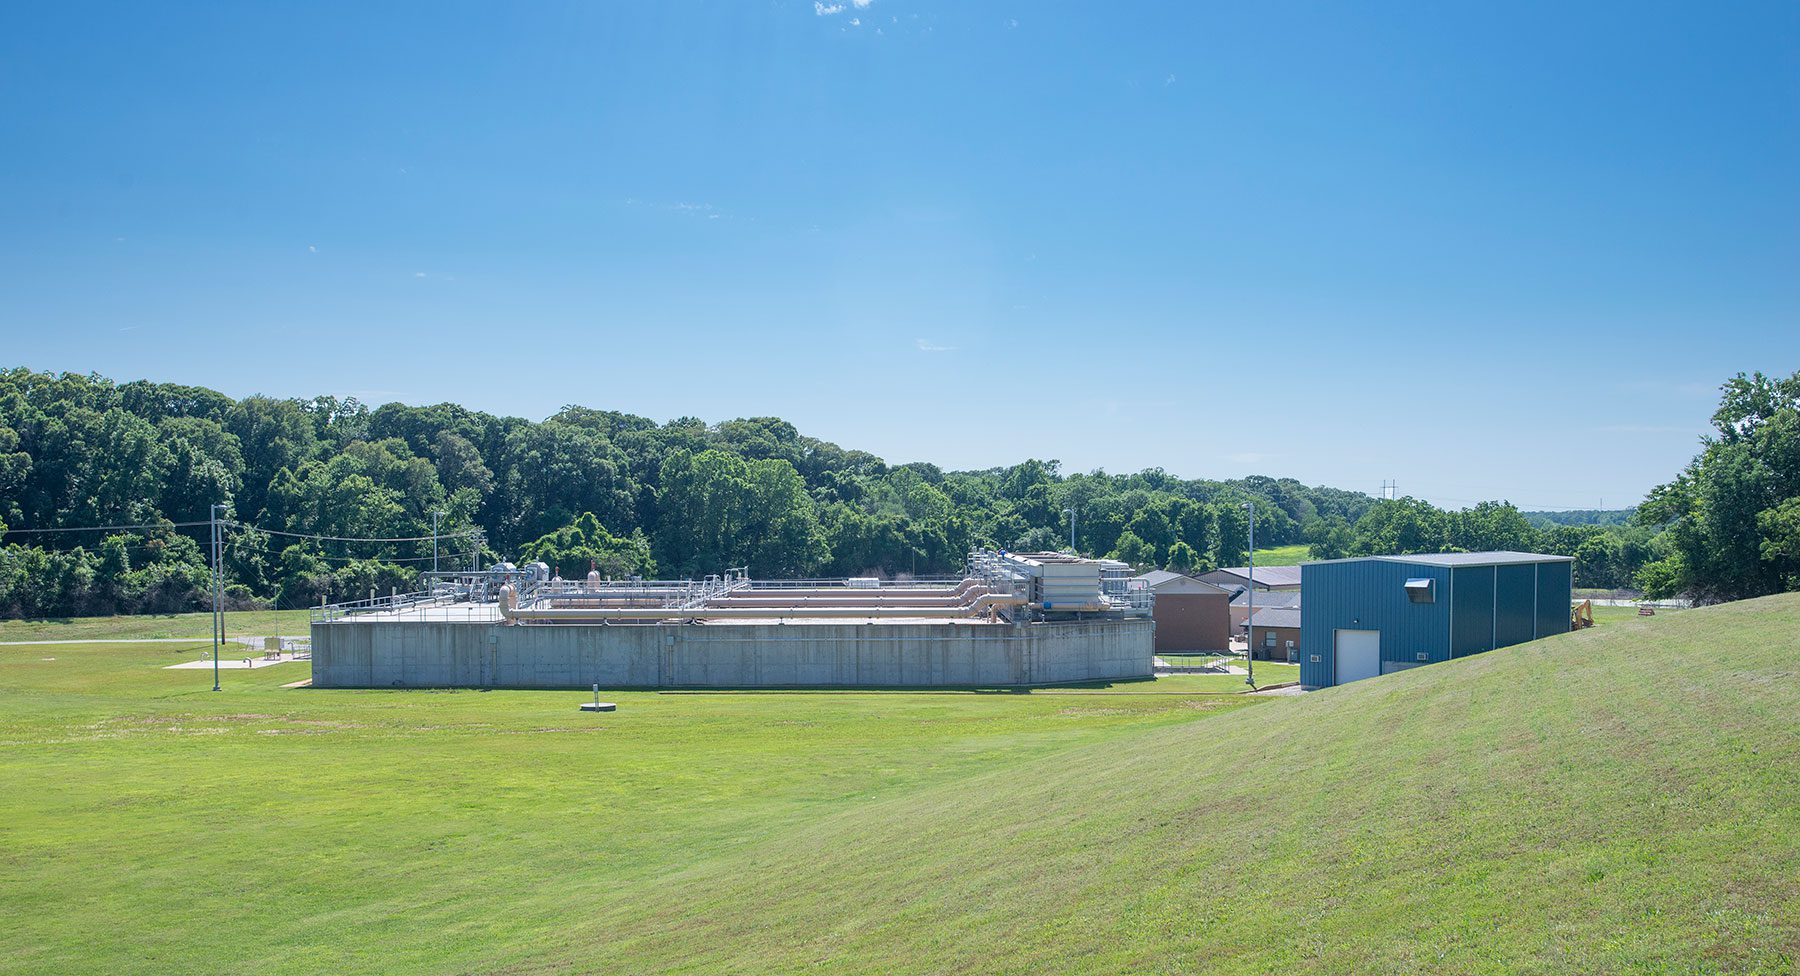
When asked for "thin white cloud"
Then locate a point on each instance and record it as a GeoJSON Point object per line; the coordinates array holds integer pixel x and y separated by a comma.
{"type": "Point", "coordinates": [856, 22]}
{"type": "Point", "coordinates": [1012, 23]}
{"type": "Point", "coordinates": [705, 210]}
{"type": "Point", "coordinates": [861, 4]}
{"type": "Point", "coordinates": [826, 9]}
{"type": "Point", "coordinates": [925, 346]}
{"type": "Point", "coordinates": [310, 249]}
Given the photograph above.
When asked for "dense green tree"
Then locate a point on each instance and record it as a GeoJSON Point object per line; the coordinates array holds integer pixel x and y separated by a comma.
{"type": "Point", "coordinates": [688, 498]}
{"type": "Point", "coordinates": [584, 545]}
{"type": "Point", "coordinates": [1233, 534]}
{"type": "Point", "coordinates": [1489, 526]}
{"type": "Point", "coordinates": [1730, 516]}
{"type": "Point", "coordinates": [1330, 538]}
{"type": "Point", "coordinates": [1400, 526]}
{"type": "Point", "coordinates": [1135, 551]}
{"type": "Point", "coordinates": [1183, 559]}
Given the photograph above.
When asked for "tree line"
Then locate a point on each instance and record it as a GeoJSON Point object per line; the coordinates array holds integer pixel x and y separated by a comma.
{"type": "Point", "coordinates": [624, 495]}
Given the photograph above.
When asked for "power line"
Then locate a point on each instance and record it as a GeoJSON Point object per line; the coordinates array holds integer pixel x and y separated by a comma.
{"type": "Point", "coordinates": [343, 538]}
{"type": "Point", "coordinates": [239, 544]}
{"type": "Point", "coordinates": [107, 528]}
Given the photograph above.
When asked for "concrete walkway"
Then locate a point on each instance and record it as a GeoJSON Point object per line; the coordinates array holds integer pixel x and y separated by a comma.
{"type": "Point", "coordinates": [234, 663]}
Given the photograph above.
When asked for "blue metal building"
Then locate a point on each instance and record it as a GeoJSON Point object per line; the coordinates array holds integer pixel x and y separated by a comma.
{"type": "Point", "coordinates": [1372, 615]}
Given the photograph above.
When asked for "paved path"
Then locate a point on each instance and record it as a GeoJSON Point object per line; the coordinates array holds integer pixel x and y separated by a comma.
{"type": "Point", "coordinates": [232, 663]}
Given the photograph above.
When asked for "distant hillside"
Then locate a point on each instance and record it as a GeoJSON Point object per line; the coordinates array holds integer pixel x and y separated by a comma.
{"type": "Point", "coordinates": [1616, 800]}
{"type": "Point", "coordinates": [1586, 516]}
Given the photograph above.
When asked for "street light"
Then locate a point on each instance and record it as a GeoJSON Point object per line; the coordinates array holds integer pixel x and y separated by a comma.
{"type": "Point", "coordinates": [434, 541]}
{"type": "Point", "coordinates": [1250, 602]}
{"type": "Point", "coordinates": [1071, 514]}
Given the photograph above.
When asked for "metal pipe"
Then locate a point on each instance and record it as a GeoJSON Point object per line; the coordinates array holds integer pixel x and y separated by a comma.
{"type": "Point", "coordinates": [510, 610]}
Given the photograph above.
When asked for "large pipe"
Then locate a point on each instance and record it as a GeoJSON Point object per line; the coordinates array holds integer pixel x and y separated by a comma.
{"type": "Point", "coordinates": [909, 591]}
{"type": "Point", "coordinates": [602, 598]}
{"type": "Point", "coordinates": [514, 614]}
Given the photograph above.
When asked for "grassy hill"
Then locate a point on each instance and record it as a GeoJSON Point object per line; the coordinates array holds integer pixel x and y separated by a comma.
{"type": "Point", "coordinates": [1620, 800]}
{"type": "Point", "coordinates": [1292, 555]}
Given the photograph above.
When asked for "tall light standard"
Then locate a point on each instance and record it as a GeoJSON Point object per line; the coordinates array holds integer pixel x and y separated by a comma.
{"type": "Point", "coordinates": [218, 586]}
{"type": "Point", "coordinates": [1071, 514]}
{"type": "Point", "coordinates": [434, 542]}
{"type": "Point", "coordinates": [1250, 602]}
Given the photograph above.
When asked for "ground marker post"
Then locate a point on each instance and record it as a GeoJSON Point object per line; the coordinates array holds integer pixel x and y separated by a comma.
{"type": "Point", "coordinates": [598, 705]}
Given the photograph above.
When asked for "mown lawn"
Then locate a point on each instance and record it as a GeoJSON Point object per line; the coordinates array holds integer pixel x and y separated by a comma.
{"type": "Point", "coordinates": [1284, 555]}
{"type": "Point", "coordinates": [1587, 803]}
{"type": "Point", "coordinates": [242, 623]}
{"type": "Point", "coordinates": [150, 825]}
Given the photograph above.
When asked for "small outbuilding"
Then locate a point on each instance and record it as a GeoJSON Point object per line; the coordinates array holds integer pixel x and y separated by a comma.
{"type": "Point", "coordinates": [1275, 634]}
{"type": "Point", "coordinates": [1242, 599]}
{"type": "Point", "coordinates": [1190, 615]}
{"type": "Point", "coordinates": [1377, 614]}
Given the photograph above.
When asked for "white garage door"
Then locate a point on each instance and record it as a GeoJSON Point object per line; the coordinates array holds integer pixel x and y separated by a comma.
{"type": "Point", "coordinates": [1358, 654]}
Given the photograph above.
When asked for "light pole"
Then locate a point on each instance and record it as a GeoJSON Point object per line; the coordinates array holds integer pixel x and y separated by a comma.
{"type": "Point", "coordinates": [1071, 514]}
{"type": "Point", "coordinates": [1250, 602]}
{"type": "Point", "coordinates": [434, 542]}
{"type": "Point", "coordinates": [218, 586]}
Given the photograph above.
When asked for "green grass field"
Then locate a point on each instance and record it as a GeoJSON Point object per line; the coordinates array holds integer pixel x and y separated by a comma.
{"type": "Point", "coordinates": [260, 623]}
{"type": "Point", "coordinates": [1589, 803]}
{"type": "Point", "coordinates": [1283, 555]}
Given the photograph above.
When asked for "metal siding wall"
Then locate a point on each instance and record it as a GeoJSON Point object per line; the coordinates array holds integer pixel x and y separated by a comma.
{"type": "Point", "coordinates": [1553, 596]}
{"type": "Point", "coordinates": [1514, 604]}
{"type": "Point", "coordinates": [1473, 629]}
{"type": "Point", "coordinates": [1370, 594]}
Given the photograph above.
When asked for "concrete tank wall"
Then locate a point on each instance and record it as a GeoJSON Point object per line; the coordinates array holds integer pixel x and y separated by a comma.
{"type": "Point", "coordinates": [412, 654]}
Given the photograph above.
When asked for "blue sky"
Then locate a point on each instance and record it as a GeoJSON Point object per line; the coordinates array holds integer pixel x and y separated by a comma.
{"type": "Point", "coordinates": [1484, 250]}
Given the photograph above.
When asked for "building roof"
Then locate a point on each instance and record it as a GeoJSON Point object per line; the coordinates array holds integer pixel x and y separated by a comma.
{"type": "Point", "coordinates": [1277, 617]}
{"type": "Point", "coordinates": [1452, 559]}
{"type": "Point", "coordinates": [1161, 577]}
{"type": "Point", "coordinates": [1267, 575]}
{"type": "Point", "coordinates": [1272, 599]}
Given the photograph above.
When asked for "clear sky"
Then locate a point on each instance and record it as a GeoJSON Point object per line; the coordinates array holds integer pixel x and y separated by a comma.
{"type": "Point", "coordinates": [1486, 250]}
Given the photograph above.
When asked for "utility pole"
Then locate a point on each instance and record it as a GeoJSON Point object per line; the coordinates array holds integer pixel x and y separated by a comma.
{"type": "Point", "coordinates": [1250, 603]}
{"type": "Point", "coordinates": [1071, 514]}
{"type": "Point", "coordinates": [218, 587]}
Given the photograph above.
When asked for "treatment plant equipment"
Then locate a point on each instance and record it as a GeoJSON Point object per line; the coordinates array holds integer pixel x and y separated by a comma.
{"type": "Point", "coordinates": [1010, 619]}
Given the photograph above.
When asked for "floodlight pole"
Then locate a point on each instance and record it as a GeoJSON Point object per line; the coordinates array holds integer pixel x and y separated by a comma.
{"type": "Point", "coordinates": [1071, 514]}
{"type": "Point", "coordinates": [1250, 602]}
{"type": "Point", "coordinates": [218, 586]}
{"type": "Point", "coordinates": [434, 542]}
